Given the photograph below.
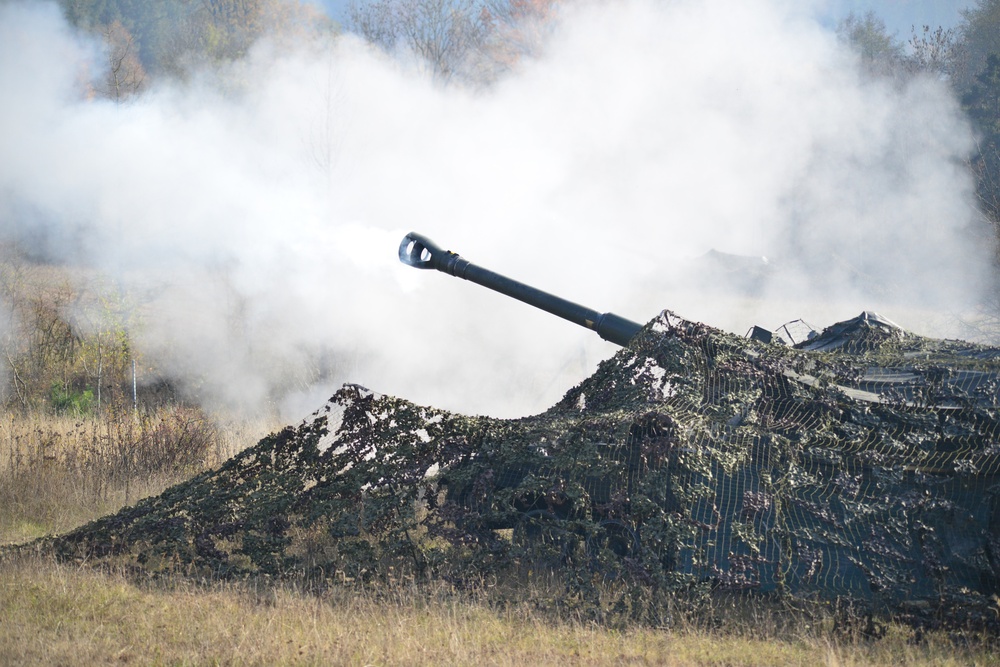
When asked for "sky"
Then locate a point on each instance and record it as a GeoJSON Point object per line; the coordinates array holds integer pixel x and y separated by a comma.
{"type": "Point", "coordinates": [899, 15]}
{"type": "Point", "coordinates": [257, 211]}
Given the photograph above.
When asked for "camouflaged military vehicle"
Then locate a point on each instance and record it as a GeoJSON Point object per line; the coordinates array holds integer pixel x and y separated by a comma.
{"type": "Point", "coordinates": [860, 464]}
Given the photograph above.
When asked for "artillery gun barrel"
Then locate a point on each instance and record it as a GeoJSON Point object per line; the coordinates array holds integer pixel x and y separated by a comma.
{"type": "Point", "coordinates": [420, 252]}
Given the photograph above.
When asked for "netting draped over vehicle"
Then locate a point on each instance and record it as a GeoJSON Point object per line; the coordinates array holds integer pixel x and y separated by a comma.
{"type": "Point", "coordinates": [862, 464]}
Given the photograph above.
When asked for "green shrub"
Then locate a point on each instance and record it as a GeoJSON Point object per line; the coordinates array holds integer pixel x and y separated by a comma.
{"type": "Point", "coordinates": [66, 401]}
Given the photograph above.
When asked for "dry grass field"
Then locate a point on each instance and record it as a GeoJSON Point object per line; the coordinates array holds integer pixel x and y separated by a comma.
{"type": "Point", "coordinates": [58, 614]}
{"type": "Point", "coordinates": [59, 472]}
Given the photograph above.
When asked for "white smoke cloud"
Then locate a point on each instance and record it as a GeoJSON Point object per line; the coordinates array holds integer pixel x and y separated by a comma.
{"type": "Point", "coordinates": [258, 221]}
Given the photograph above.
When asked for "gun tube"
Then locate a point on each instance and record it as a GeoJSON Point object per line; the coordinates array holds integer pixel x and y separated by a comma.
{"type": "Point", "coordinates": [420, 252]}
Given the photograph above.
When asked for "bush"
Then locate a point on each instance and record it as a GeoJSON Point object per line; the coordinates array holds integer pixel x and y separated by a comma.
{"type": "Point", "coordinates": [66, 401]}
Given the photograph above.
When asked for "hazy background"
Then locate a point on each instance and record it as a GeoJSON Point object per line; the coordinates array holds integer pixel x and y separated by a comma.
{"type": "Point", "coordinates": [899, 15]}
{"type": "Point", "coordinates": [252, 211]}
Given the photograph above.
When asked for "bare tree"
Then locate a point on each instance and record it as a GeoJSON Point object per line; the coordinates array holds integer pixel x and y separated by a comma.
{"type": "Point", "coordinates": [125, 76]}
{"type": "Point", "coordinates": [517, 29]}
{"type": "Point", "coordinates": [933, 51]}
{"type": "Point", "coordinates": [443, 33]}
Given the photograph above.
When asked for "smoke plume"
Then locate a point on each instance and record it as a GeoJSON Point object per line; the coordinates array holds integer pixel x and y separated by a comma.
{"type": "Point", "coordinates": [254, 213]}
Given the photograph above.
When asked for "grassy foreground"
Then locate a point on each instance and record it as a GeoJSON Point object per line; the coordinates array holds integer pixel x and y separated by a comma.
{"type": "Point", "coordinates": [57, 473]}
{"type": "Point", "coordinates": [68, 615]}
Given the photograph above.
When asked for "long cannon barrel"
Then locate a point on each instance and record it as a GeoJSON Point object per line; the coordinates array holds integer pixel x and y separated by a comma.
{"type": "Point", "coordinates": [420, 252]}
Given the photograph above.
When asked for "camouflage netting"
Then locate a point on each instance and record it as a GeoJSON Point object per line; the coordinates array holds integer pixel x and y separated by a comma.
{"type": "Point", "coordinates": [861, 465]}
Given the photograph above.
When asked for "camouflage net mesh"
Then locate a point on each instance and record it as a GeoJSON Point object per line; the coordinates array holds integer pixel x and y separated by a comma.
{"type": "Point", "coordinates": [861, 465]}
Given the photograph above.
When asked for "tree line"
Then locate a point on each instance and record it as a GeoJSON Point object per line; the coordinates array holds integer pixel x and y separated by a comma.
{"type": "Point", "coordinates": [170, 38]}
{"type": "Point", "coordinates": [467, 40]}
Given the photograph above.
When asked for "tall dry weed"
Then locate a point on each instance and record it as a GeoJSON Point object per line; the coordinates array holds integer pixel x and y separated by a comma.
{"type": "Point", "coordinates": [59, 471]}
